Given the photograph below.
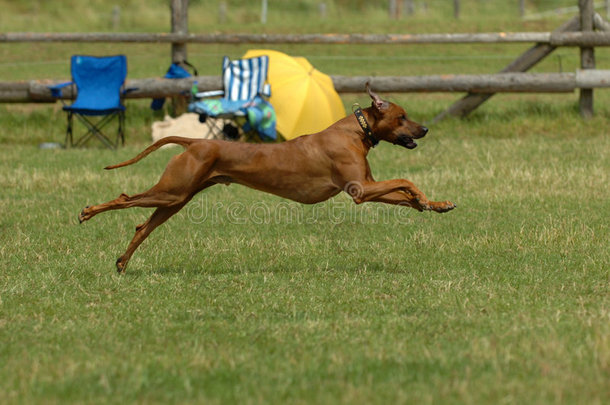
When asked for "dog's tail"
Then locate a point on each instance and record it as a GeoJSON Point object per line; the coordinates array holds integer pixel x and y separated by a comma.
{"type": "Point", "coordinates": [185, 142]}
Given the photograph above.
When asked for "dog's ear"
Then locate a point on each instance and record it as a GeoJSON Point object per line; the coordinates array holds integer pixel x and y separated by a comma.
{"type": "Point", "coordinates": [378, 103]}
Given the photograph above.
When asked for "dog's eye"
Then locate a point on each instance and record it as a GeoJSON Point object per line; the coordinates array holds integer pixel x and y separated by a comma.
{"type": "Point", "coordinates": [403, 117]}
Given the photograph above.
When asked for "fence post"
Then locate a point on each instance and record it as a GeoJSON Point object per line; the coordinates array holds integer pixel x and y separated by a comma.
{"type": "Point", "coordinates": [521, 8]}
{"type": "Point", "coordinates": [222, 12]}
{"type": "Point", "coordinates": [179, 9]}
{"type": "Point", "coordinates": [393, 9]}
{"type": "Point", "coordinates": [587, 56]}
{"type": "Point", "coordinates": [322, 10]}
{"type": "Point", "coordinates": [456, 9]}
{"type": "Point", "coordinates": [264, 8]}
{"type": "Point", "coordinates": [410, 7]}
{"type": "Point", "coordinates": [116, 17]}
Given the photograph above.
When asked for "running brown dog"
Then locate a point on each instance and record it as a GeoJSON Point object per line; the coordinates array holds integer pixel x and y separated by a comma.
{"type": "Point", "coordinates": [308, 169]}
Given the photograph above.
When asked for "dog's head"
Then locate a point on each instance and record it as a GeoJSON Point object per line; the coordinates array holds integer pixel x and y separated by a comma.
{"type": "Point", "coordinates": [392, 124]}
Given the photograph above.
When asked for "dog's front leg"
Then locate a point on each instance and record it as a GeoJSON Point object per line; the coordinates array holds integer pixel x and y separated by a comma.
{"type": "Point", "coordinates": [363, 191]}
{"type": "Point", "coordinates": [407, 200]}
{"type": "Point", "coordinates": [398, 191]}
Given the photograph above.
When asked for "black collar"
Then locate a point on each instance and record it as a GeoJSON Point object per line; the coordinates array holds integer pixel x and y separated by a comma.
{"type": "Point", "coordinates": [365, 127]}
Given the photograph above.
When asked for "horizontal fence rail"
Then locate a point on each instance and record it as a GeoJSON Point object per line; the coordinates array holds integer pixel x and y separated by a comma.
{"type": "Point", "coordinates": [554, 39]}
{"type": "Point", "coordinates": [38, 91]}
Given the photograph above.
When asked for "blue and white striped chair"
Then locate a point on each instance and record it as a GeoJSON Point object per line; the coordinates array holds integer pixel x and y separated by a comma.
{"type": "Point", "coordinates": [243, 101]}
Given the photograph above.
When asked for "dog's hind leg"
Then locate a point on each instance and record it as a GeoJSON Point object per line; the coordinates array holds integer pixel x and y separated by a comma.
{"type": "Point", "coordinates": [160, 215]}
{"type": "Point", "coordinates": [178, 183]}
{"type": "Point", "coordinates": [150, 198]}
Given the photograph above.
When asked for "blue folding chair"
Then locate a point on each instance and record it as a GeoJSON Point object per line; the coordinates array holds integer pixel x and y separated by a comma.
{"type": "Point", "coordinates": [243, 101]}
{"type": "Point", "coordinates": [99, 82]}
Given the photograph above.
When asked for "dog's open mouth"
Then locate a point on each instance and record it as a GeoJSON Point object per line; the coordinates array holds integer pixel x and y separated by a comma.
{"type": "Point", "coordinates": [406, 141]}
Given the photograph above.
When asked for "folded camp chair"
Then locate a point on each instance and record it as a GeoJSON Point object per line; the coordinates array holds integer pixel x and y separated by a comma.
{"type": "Point", "coordinates": [177, 70]}
{"type": "Point", "coordinates": [99, 83]}
{"type": "Point", "coordinates": [243, 100]}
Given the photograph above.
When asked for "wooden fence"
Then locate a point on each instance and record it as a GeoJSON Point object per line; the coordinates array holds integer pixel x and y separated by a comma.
{"type": "Point", "coordinates": [37, 90]}
{"type": "Point", "coordinates": [551, 38]}
{"type": "Point", "coordinates": [586, 31]}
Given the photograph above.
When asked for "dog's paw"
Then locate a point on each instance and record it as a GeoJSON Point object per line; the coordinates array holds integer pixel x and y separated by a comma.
{"type": "Point", "coordinates": [120, 265]}
{"type": "Point", "coordinates": [441, 207]}
{"type": "Point", "coordinates": [448, 206]}
{"type": "Point", "coordinates": [82, 216]}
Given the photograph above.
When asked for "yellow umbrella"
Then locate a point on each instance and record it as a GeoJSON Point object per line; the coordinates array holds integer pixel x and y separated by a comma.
{"type": "Point", "coordinates": [304, 99]}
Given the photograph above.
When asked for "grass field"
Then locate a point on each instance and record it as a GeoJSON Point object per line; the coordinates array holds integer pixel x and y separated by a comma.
{"type": "Point", "coordinates": [246, 298]}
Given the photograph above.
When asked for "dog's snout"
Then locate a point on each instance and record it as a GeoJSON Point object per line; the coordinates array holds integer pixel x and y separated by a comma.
{"type": "Point", "coordinates": [424, 131]}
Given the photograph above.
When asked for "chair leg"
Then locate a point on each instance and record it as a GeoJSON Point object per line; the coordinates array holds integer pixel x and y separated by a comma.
{"type": "Point", "coordinates": [94, 130]}
{"type": "Point", "coordinates": [69, 136]}
{"type": "Point", "coordinates": [215, 127]}
{"type": "Point", "coordinates": [121, 134]}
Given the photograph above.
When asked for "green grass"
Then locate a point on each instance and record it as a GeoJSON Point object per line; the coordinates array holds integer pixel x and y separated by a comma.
{"type": "Point", "coordinates": [243, 297]}
{"type": "Point", "coordinates": [504, 299]}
